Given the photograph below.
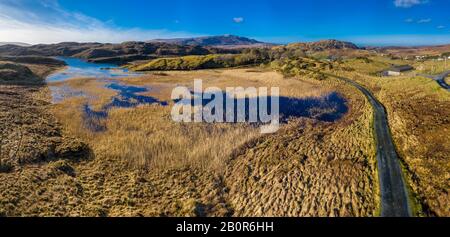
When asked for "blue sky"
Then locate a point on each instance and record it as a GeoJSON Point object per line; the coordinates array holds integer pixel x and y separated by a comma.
{"type": "Point", "coordinates": [366, 22]}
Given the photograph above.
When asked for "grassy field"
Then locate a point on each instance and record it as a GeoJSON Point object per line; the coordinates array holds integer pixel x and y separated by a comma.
{"type": "Point", "coordinates": [146, 165]}
{"type": "Point", "coordinates": [164, 144]}
{"type": "Point", "coordinates": [418, 111]}
{"type": "Point", "coordinates": [30, 136]}
{"type": "Point", "coordinates": [196, 62]}
{"type": "Point", "coordinates": [309, 168]}
{"type": "Point", "coordinates": [375, 64]}
{"type": "Point", "coordinates": [432, 67]}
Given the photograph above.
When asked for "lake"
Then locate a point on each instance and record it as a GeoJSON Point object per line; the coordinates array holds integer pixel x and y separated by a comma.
{"type": "Point", "coordinates": [77, 68]}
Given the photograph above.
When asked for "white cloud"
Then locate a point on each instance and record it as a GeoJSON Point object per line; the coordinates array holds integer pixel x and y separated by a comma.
{"type": "Point", "coordinates": [46, 22]}
{"type": "Point", "coordinates": [238, 19]}
{"type": "Point", "coordinates": [441, 27]}
{"type": "Point", "coordinates": [409, 20]}
{"type": "Point", "coordinates": [422, 21]}
{"type": "Point", "coordinates": [408, 3]}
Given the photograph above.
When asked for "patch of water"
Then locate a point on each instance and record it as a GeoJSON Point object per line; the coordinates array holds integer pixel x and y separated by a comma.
{"type": "Point", "coordinates": [328, 108]}
{"type": "Point", "coordinates": [127, 97]}
{"type": "Point", "coordinates": [63, 92]}
{"type": "Point", "coordinates": [77, 68]}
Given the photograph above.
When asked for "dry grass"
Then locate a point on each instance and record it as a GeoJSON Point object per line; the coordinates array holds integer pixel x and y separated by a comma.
{"type": "Point", "coordinates": [94, 91]}
{"type": "Point", "coordinates": [310, 168]}
{"type": "Point", "coordinates": [30, 133]}
{"type": "Point", "coordinates": [146, 165]}
{"type": "Point", "coordinates": [371, 65]}
{"type": "Point", "coordinates": [418, 116]}
{"type": "Point", "coordinates": [413, 51]}
{"type": "Point", "coordinates": [377, 64]}
{"type": "Point", "coordinates": [432, 67]}
{"type": "Point", "coordinates": [146, 137]}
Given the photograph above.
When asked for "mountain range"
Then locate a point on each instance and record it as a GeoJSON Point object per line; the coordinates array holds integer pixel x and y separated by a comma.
{"type": "Point", "coordinates": [224, 44]}
{"type": "Point", "coordinates": [221, 41]}
{"type": "Point", "coordinates": [15, 43]}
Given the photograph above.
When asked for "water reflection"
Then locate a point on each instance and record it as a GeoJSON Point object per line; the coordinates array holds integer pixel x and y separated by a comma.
{"type": "Point", "coordinates": [77, 68]}
{"type": "Point", "coordinates": [63, 92]}
{"type": "Point", "coordinates": [327, 108]}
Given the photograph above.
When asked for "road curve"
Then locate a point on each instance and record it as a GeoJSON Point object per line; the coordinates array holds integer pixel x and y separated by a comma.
{"type": "Point", "coordinates": [440, 79]}
{"type": "Point", "coordinates": [394, 194]}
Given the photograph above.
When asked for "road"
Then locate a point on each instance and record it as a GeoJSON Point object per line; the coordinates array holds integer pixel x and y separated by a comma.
{"type": "Point", "coordinates": [394, 194]}
{"type": "Point", "coordinates": [440, 79]}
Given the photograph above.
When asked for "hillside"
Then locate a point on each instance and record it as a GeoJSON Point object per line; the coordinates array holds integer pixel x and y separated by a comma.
{"type": "Point", "coordinates": [111, 53]}
{"type": "Point", "coordinates": [324, 49]}
{"type": "Point", "coordinates": [134, 51]}
{"type": "Point", "coordinates": [323, 45]}
{"type": "Point", "coordinates": [222, 41]}
{"type": "Point", "coordinates": [198, 62]}
{"type": "Point", "coordinates": [15, 43]}
{"type": "Point", "coordinates": [414, 51]}
{"type": "Point", "coordinates": [26, 70]}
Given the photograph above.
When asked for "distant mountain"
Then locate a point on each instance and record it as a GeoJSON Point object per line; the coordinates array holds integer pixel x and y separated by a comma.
{"type": "Point", "coordinates": [222, 41]}
{"type": "Point", "coordinates": [15, 43]}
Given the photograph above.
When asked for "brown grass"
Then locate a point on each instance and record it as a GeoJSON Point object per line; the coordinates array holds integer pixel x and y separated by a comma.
{"type": "Point", "coordinates": [310, 168]}
{"type": "Point", "coordinates": [149, 140]}
{"type": "Point", "coordinates": [418, 115]}
{"type": "Point", "coordinates": [432, 67]}
{"type": "Point", "coordinates": [146, 165]}
{"type": "Point", "coordinates": [146, 137]}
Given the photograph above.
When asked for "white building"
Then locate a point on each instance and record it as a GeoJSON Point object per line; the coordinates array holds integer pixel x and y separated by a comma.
{"type": "Point", "coordinates": [398, 70]}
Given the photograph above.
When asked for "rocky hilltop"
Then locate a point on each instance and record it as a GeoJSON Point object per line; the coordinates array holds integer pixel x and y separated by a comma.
{"type": "Point", "coordinates": [323, 45]}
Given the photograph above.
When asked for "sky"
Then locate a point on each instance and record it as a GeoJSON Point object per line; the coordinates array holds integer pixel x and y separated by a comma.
{"type": "Point", "coordinates": [365, 22]}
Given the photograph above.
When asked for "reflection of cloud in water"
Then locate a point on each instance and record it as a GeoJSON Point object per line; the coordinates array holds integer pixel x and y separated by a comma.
{"type": "Point", "coordinates": [61, 93]}
{"type": "Point", "coordinates": [77, 68]}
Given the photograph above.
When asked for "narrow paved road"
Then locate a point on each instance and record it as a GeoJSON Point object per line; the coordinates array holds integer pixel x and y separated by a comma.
{"type": "Point", "coordinates": [394, 194]}
{"type": "Point", "coordinates": [440, 79]}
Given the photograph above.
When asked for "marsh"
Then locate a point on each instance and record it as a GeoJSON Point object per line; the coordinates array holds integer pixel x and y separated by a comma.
{"type": "Point", "coordinates": [327, 107]}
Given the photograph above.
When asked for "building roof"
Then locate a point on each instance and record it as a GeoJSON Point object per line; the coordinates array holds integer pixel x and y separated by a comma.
{"type": "Point", "coordinates": [401, 68]}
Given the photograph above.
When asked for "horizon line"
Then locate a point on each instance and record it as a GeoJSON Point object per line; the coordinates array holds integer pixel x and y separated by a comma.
{"type": "Point", "coordinates": [259, 39]}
